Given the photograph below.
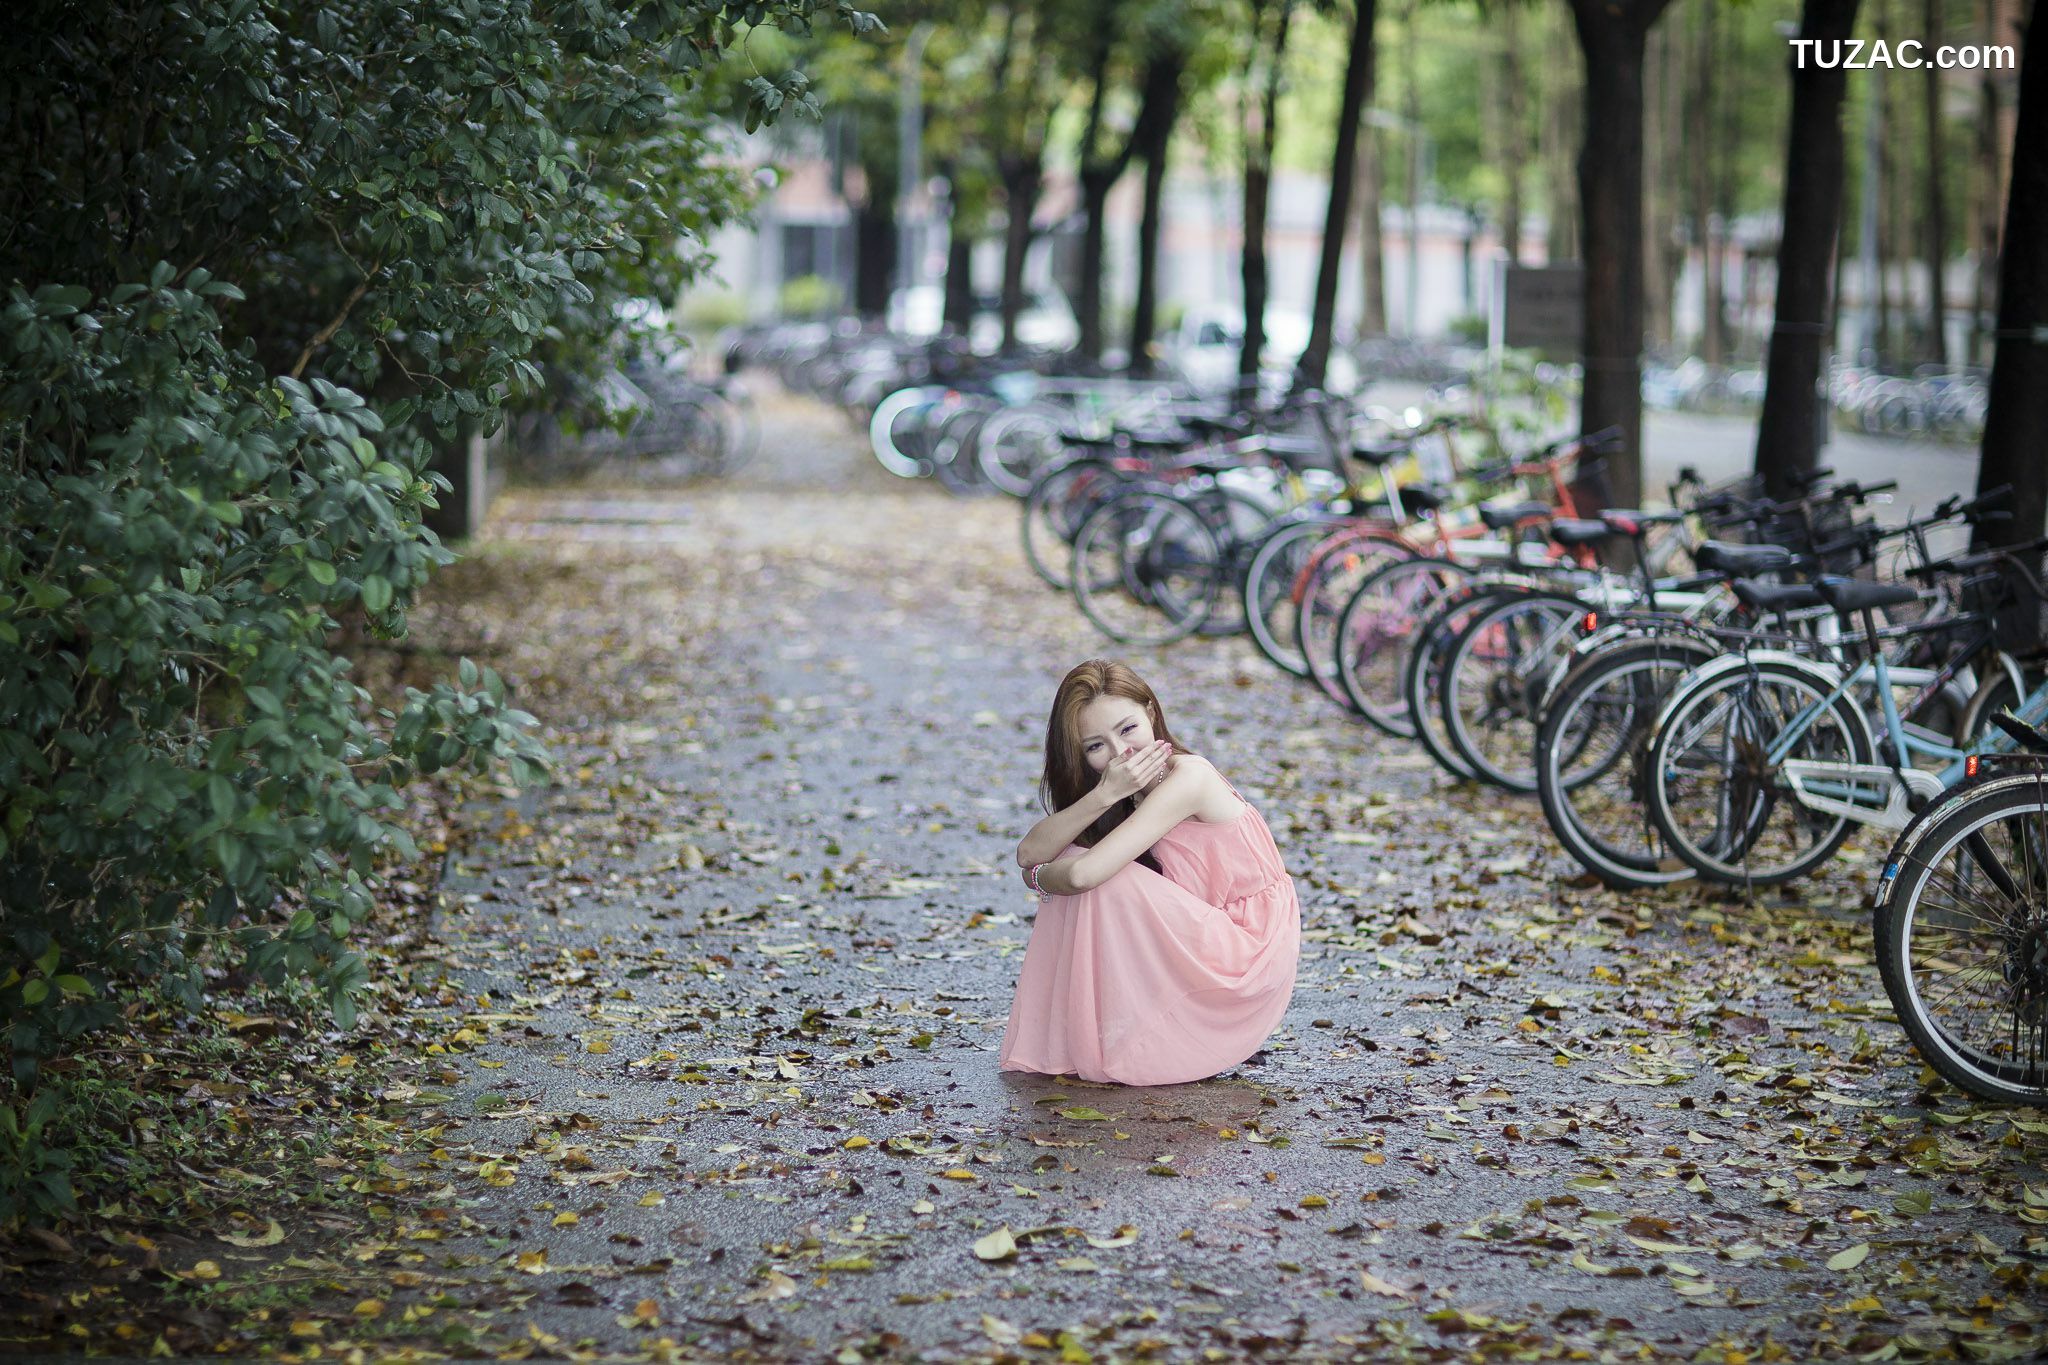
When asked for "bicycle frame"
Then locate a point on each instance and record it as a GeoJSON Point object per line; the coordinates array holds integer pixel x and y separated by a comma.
{"type": "Point", "coordinates": [1841, 788]}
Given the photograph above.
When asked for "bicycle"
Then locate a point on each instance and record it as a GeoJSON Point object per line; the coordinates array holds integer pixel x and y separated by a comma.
{"type": "Point", "coordinates": [1960, 919]}
{"type": "Point", "coordinates": [1764, 732]}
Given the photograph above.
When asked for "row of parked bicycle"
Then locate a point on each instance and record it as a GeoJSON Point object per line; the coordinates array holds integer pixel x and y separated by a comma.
{"type": "Point", "coordinates": [1932, 403]}
{"type": "Point", "coordinates": [1724, 688]}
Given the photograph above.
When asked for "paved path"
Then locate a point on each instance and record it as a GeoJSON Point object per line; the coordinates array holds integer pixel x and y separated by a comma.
{"type": "Point", "coordinates": [721, 1076]}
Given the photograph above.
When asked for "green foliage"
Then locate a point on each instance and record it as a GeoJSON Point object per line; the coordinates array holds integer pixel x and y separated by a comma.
{"type": "Point", "coordinates": [183, 759]}
{"type": "Point", "coordinates": [420, 208]}
{"type": "Point", "coordinates": [810, 296]}
{"type": "Point", "coordinates": [711, 310]}
{"type": "Point", "coordinates": [386, 220]}
{"type": "Point", "coordinates": [35, 1174]}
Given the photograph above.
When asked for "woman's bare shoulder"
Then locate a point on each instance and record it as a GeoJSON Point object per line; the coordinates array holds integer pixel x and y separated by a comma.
{"type": "Point", "coordinates": [1206, 782]}
{"type": "Point", "coordinates": [1193, 764]}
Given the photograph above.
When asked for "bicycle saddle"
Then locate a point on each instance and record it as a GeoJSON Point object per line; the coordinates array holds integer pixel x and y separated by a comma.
{"type": "Point", "coordinates": [1380, 453]}
{"type": "Point", "coordinates": [1152, 440]}
{"type": "Point", "coordinates": [1848, 595]}
{"type": "Point", "coordinates": [1510, 514]}
{"type": "Point", "coordinates": [1630, 521]}
{"type": "Point", "coordinates": [1215, 423]}
{"type": "Point", "coordinates": [1742, 561]}
{"type": "Point", "coordinates": [2021, 733]}
{"type": "Point", "coordinates": [1417, 498]}
{"type": "Point", "coordinates": [1773, 599]}
{"type": "Point", "coordinates": [1574, 531]}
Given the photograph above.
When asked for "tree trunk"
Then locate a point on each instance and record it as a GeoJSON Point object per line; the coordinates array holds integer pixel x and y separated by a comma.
{"type": "Point", "coordinates": [1987, 200]}
{"type": "Point", "coordinates": [1561, 119]}
{"type": "Point", "coordinates": [1612, 34]}
{"type": "Point", "coordinates": [1411, 63]}
{"type": "Point", "coordinates": [1096, 176]}
{"type": "Point", "coordinates": [1358, 82]}
{"type": "Point", "coordinates": [1662, 159]}
{"type": "Point", "coordinates": [1722, 154]}
{"type": "Point", "coordinates": [1673, 94]}
{"type": "Point", "coordinates": [1701, 156]}
{"type": "Point", "coordinates": [1021, 174]}
{"type": "Point", "coordinates": [1252, 271]}
{"type": "Point", "coordinates": [1151, 139]}
{"type": "Point", "coordinates": [1372, 247]}
{"type": "Point", "coordinates": [2016, 427]}
{"type": "Point", "coordinates": [1513, 135]}
{"type": "Point", "coordinates": [1145, 303]}
{"type": "Point", "coordinates": [1788, 433]}
{"type": "Point", "coordinates": [1258, 180]}
{"type": "Point", "coordinates": [874, 252]}
{"type": "Point", "coordinates": [1890, 181]}
{"type": "Point", "coordinates": [1095, 187]}
{"type": "Point", "coordinates": [1937, 219]}
{"type": "Point", "coordinates": [959, 300]}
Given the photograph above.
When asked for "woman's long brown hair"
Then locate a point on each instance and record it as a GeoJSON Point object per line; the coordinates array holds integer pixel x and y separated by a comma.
{"type": "Point", "coordinates": [1067, 776]}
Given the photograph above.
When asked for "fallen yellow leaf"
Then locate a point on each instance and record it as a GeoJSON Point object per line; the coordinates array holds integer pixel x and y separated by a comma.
{"type": "Point", "coordinates": [1374, 1284]}
{"type": "Point", "coordinates": [999, 1245]}
{"type": "Point", "coordinates": [269, 1237]}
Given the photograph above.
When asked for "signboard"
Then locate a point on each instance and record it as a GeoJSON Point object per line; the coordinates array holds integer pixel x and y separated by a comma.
{"type": "Point", "coordinates": [1536, 305]}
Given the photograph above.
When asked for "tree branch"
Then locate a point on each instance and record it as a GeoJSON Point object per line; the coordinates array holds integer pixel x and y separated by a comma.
{"type": "Point", "coordinates": [326, 334]}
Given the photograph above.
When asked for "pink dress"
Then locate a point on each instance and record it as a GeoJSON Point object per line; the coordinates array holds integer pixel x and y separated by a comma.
{"type": "Point", "coordinates": [1154, 980]}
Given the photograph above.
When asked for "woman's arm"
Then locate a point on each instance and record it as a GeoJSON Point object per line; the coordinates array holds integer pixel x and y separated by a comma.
{"type": "Point", "coordinates": [1184, 791]}
{"type": "Point", "coordinates": [1050, 836]}
{"type": "Point", "coordinates": [1125, 777]}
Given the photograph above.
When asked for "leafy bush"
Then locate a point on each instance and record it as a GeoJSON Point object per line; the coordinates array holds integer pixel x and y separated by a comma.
{"type": "Point", "coordinates": [35, 1174]}
{"type": "Point", "coordinates": [388, 218]}
{"type": "Point", "coordinates": [708, 311]}
{"type": "Point", "coordinates": [183, 759]}
{"type": "Point", "coordinates": [810, 296]}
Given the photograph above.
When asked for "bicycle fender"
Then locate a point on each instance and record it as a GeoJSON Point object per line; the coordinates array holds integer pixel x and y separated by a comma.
{"type": "Point", "coordinates": [1615, 634]}
{"type": "Point", "coordinates": [1910, 837]}
{"type": "Point", "coordinates": [1825, 673]}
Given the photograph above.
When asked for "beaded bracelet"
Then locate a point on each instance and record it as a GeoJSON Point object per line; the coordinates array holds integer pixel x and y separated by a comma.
{"type": "Point", "coordinates": [1031, 880]}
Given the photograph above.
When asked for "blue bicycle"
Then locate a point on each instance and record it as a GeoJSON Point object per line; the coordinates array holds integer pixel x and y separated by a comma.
{"type": "Point", "coordinates": [1762, 762]}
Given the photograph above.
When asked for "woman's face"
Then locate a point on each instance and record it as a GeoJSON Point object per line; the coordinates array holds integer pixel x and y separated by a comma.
{"type": "Point", "coordinates": [1110, 728]}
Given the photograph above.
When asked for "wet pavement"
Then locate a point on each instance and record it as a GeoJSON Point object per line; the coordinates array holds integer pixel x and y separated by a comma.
{"type": "Point", "coordinates": [716, 1072]}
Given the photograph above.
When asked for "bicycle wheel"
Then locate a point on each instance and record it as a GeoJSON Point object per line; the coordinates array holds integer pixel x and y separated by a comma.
{"type": "Point", "coordinates": [1325, 587]}
{"type": "Point", "coordinates": [1239, 521]}
{"type": "Point", "coordinates": [1014, 444]}
{"type": "Point", "coordinates": [1272, 614]}
{"type": "Point", "coordinates": [1494, 679]}
{"type": "Point", "coordinates": [955, 422]}
{"type": "Point", "coordinates": [1061, 498]}
{"type": "Point", "coordinates": [674, 437]}
{"type": "Point", "coordinates": [1722, 801]}
{"type": "Point", "coordinates": [743, 426]}
{"type": "Point", "coordinates": [1375, 630]}
{"type": "Point", "coordinates": [1147, 568]}
{"type": "Point", "coordinates": [899, 431]}
{"type": "Point", "coordinates": [1962, 942]}
{"type": "Point", "coordinates": [1590, 751]}
{"type": "Point", "coordinates": [1422, 670]}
